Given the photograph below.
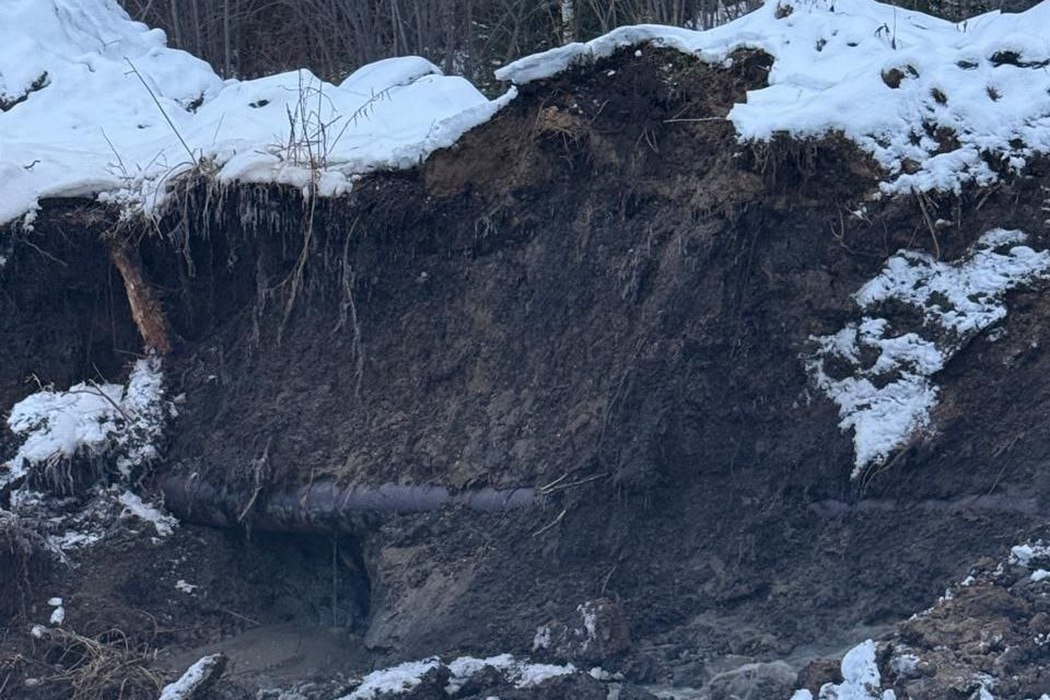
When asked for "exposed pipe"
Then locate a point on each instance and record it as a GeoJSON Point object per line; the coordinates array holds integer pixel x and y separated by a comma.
{"type": "Point", "coordinates": [325, 507]}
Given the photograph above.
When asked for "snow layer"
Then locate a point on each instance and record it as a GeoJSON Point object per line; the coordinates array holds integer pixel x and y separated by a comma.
{"type": "Point", "coordinates": [404, 677]}
{"type": "Point", "coordinates": [396, 679]}
{"type": "Point", "coordinates": [94, 103]}
{"type": "Point", "coordinates": [90, 421]}
{"type": "Point", "coordinates": [186, 687]}
{"type": "Point", "coordinates": [888, 394]}
{"type": "Point", "coordinates": [904, 86]}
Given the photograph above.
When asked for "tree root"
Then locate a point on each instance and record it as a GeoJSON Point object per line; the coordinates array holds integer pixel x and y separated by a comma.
{"type": "Point", "coordinates": [146, 310]}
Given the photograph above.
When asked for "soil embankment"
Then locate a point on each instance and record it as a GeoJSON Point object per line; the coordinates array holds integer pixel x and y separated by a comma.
{"type": "Point", "coordinates": [599, 295]}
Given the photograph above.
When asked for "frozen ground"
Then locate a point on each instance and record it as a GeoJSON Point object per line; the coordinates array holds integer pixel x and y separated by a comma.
{"type": "Point", "coordinates": [92, 103]}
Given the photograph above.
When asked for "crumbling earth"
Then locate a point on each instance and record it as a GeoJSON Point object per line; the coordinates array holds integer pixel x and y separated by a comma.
{"type": "Point", "coordinates": [600, 295]}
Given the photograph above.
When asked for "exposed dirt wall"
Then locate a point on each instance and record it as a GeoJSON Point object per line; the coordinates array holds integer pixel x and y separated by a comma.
{"type": "Point", "coordinates": [602, 295]}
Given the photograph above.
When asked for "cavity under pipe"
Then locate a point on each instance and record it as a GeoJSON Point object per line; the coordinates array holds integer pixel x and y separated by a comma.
{"type": "Point", "coordinates": [325, 507]}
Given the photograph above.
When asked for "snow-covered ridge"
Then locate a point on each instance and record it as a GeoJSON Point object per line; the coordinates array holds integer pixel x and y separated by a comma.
{"type": "Point", "coordinates": [94, 103]}
{"type": "Point", "coordinates": [928, 99]}
{"type": "Point", "coordinates": [403, 678]}
{"type": "Point", "coordinates": [888, 393]}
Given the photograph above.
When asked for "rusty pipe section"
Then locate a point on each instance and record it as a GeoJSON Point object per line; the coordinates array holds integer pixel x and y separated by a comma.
{"type": "Point", "coordinates": [325, 506]}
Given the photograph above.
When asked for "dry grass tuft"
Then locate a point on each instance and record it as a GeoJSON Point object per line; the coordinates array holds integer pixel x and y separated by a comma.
{"type": "Point", "coordinates": [107, 666]}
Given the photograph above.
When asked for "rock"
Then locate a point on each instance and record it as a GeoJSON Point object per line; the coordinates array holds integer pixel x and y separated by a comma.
{"type": "Point", "coordinates": [642, 668]}
{"type": "Point", "coordinates": [601, 632]}
{"type": "Point", "coordinates": [818, 672]}
{"type": "Point", "coordinates": [198, 678]}
{"type": "Point", "coordinates": [757, 680]}
{"type": "Point", "coordinates": [629, 692]}
{"type": "Point", "coordinates": [693, 673]}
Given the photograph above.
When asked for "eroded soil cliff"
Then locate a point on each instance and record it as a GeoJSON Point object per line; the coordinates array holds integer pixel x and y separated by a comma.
{"type": "Point", "coordinates": [600, 295]}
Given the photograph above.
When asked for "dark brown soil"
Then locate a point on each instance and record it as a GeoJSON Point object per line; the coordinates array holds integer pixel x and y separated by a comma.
{"type": "Point", "coordinates": [599, 291]}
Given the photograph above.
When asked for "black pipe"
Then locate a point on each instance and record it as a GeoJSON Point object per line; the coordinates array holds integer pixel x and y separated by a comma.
{"type": "Point", "coordinates": [325, 506]}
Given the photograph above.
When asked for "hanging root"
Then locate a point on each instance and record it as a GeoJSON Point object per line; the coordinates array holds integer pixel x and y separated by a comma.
{"type": "Point", "coordinates": [348, 310]}
{"type": "Point", "coordinates": [146, 310]}
{"type": "Point", "coordinates": [295, 279]}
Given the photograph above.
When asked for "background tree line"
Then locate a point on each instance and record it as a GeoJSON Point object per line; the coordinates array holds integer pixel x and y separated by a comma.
{"type": "Point", "coordinates": [248, 38]}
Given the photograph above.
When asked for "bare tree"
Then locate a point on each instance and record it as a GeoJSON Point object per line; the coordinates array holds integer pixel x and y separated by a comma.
{"type": "Point", "coordinates": [247, 38]}
{"type": "Point", "coordinates": [568, 21]}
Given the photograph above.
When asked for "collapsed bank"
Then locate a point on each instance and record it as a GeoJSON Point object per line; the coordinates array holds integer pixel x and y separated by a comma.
{"type": "Point", "coordinates": [655, 286]}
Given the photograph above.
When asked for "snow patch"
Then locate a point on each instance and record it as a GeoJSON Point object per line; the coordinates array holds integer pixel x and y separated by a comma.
{"type": "Point", "coordinates": [404, 677]}
{"type": "Point", "coordinates": [96, 104]}
{"type": "Point", "coordinates": [542, 640]}
{"type": "Point", "coordinates": [1026, 554]}
{"type": "Point", "coordinates": [58, 615]}
{"type": "Point", "coordinates": [135, 507]}
{"type": "Point", "coordinates": [91, 421]}
{"type": "Point", "coordinates": [530, 675]}
{"type": "Point", "coordinates": [186, 687]}
{"type": "Point", "coordinates": [887, 395]}
{"type": "Point", "coordinates": [464, 668]}
{"type": "Point", "coordinates": [185, 587]}
{"type": "Point", "coordinates": [396, 679]}
{"type": "Point", "coordinates": [70, 524]}
{"type": "Point", "coordinates": [861, 679]}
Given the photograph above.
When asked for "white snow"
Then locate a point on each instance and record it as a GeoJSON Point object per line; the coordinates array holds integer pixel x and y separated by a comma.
{"type": "Point", "coordinates": [91, 421]}
{"type": "Point", "coordinates": [542, 639]}
{"type": "Point", "coordinates": [183, 586]}
{"type": "Point", "coordinates": [861, 679]}
{"type": "Point", "coordinates": [395, 679]}
{"type": "Point", "coordinates": [406, 676]}
{"type": "Point", "coordinates": [184, 688]}
{"type": "Point", "coordinates": [830, 59]}
{"type": "Point", "coordinates": [73, 539]}
{"type": "Point", "coordinates": [534, 674]}
{"type": "Point", "coordinates": [60, 424]}
{"type": "Point", "coordinates": [1025, 554]}
{"type": "Point", "coordinates": [964, 297]}
{"type": "Point", "coordinates": [984, 692]}
{"type": "Point", "coordinates": [465, 667]}
{"type": "Point", "coordinates": [135, 507]}
{"type": "Point", "coordinates": [522, 673]}
{"type": "Point", "coordinates": [888, 400]}
{"type": "Point", "coordinates": [58, 615]}
{"type": "Point", "coordinates": [108, 109]}
{"type": "Point", "coordinates": [1040, 575]}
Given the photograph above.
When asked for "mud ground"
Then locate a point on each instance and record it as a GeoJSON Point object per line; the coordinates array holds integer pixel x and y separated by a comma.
{"type": "Point", "coordinates": [599, 292]}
